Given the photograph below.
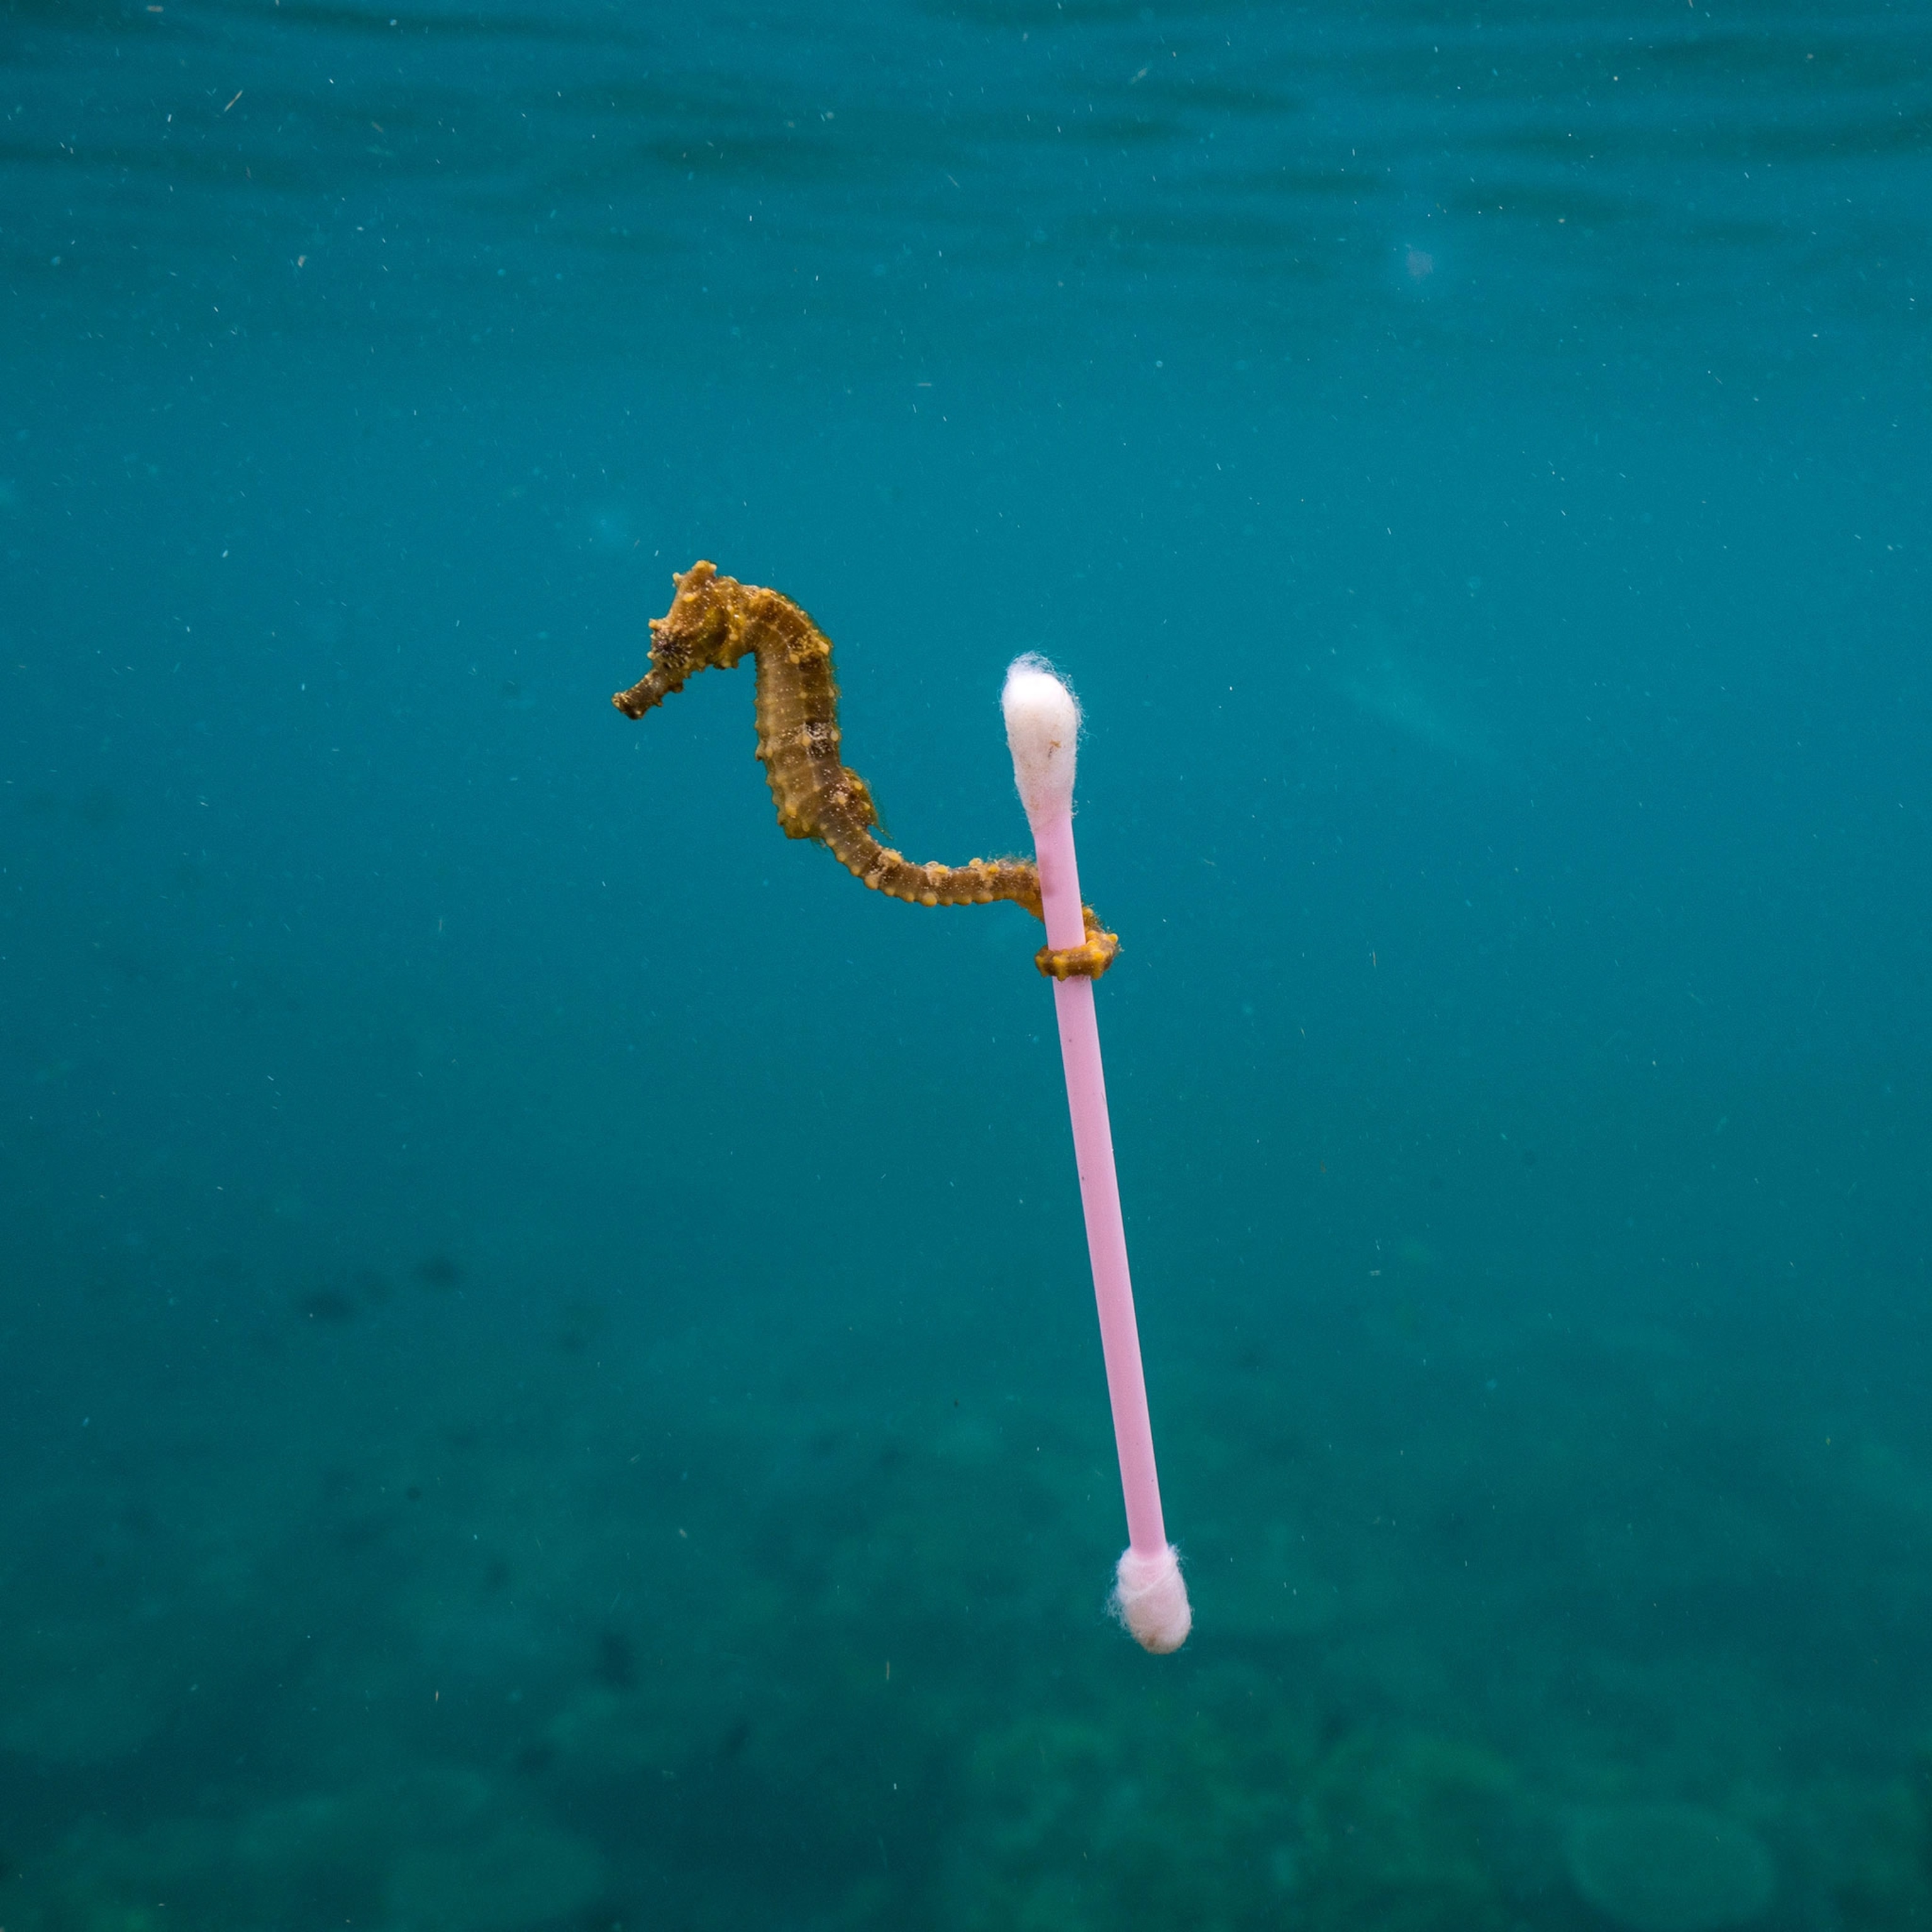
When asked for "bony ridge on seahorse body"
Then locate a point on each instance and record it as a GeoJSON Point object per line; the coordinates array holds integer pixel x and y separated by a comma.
{"type": "Point", "coordinates": [715, 621]}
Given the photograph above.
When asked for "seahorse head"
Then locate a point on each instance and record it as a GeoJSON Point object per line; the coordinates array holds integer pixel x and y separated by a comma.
{"type": "Point", "coordinates": [697, 632]}
{"type": "Point", "coordinates": [702, 630]}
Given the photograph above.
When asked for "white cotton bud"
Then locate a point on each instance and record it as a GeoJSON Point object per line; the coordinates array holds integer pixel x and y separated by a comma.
{"type": "Point", "coordinates": [1043, 733]}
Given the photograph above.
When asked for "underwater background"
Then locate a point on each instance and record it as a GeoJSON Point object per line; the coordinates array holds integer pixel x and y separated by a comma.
{"type": "Point", "coordinates": [551, 1379]}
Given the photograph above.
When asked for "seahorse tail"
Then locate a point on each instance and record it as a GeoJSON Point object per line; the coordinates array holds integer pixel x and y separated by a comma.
{"type": "Point", "coordinates": [981, 882]}
{"type": "Point", "coordinates": [1087, 960]}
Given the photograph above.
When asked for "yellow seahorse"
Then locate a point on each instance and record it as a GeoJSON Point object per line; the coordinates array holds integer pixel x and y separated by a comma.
{"type": "Point", "coordinates": [715, 621]}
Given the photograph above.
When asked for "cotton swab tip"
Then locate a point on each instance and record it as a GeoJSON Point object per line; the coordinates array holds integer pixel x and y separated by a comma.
{"type": "Point", "coordinates": [1151, 1598]}
{"type": "Point", "coordinates": [1043, 733]}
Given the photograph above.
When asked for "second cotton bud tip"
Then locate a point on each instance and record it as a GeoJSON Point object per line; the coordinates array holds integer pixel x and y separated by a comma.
{"type": "Point", "coordinates": [1043, 734]}
{"type": "Point", "coordinates": [1151, 1598]}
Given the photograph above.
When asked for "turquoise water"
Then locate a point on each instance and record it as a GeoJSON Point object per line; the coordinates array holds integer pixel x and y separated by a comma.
{"type": "Point", "coordinates": [551, 1378]}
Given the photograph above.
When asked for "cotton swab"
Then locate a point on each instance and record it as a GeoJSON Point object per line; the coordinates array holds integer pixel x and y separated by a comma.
{"type": "Point", "coordinates": [1043, 730]}
{"type": "Point", "coordinates": [715, 622]}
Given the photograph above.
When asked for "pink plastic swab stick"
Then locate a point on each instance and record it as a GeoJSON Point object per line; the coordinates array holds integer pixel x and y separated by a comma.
{"type": "Point", "coordinates": [1043, 731]}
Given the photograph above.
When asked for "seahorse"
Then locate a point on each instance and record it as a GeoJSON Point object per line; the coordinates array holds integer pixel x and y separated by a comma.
{"type": "Point", "coordinates": [715, 621]}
